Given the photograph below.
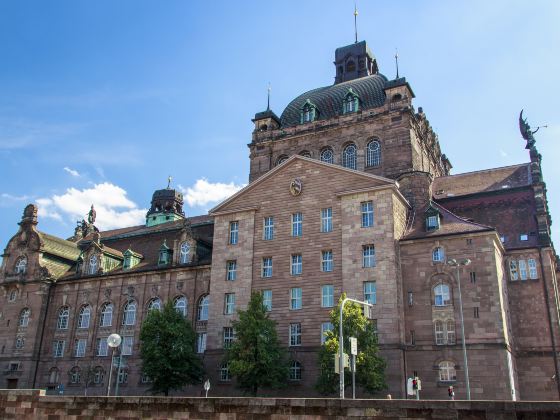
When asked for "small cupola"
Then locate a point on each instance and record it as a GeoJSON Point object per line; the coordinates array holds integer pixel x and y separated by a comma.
{"type": "Point", "coordinates": [167, 206]}
{"type": "Point", "coordinates": [433, 218]}
{"type": "Point", "coordinates": [354, 61]}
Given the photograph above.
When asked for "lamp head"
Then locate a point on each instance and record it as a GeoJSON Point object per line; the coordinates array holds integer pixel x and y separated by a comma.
{"type": "Point", "coordinates": [114, 340]}
{"type": "Point", "coordinates": [466, 261]}
{"type": "Point", "coordinates": [452, 262]}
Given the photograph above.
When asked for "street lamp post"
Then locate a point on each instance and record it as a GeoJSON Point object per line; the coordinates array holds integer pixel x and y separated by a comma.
{"type": "Point", "coordinates": [113, 341]}
{"type": "Point", "coordinates": [458, 265]}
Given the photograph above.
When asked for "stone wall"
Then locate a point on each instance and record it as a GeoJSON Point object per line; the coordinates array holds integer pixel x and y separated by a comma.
{"type": "Point", "coordinates": [31, 404]}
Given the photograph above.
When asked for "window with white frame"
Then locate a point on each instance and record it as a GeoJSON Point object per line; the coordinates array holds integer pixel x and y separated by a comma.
{"type": "Point", "coordinates": [12, 296]}
{"type": "Point", "coordinates": [98, 375]}
{"type": "Point", "coordinates": [297, 265]}
{"type": "Point", "coordinates": [180, 304]}
{"type": "Point", "coordinates": [62, 319]}
{"type": "Point", "coordinates": [450, 330]}
{"type": "Point", "coordinates": [127, 344]}
{"type": "Point", "coordinates": [267, 300]}
{"type": "Point", "coordinates": [295, 298]}
{"type": "Point", "coordinates": [432, 222]}
{"type": "Point", "coordinates": [367, 213]}
{"type": "Point", "coordinates": [233, 232]}
{"type": "Point", "coordinates": [229, 336]}
{"type": "Point", "coordinates": [102, 347]}
{"type": "Point", "coordinates": [523, 237]}
{"type": "Point", "coordinates": [54, 376]}
{"type": "Point", "coordinates": [532, 263]}
{"type": "Point", "coordinates": [438, 255]}
{"type": "Point", "coordinates": [24, 317]}
{"type": "Point", "coordinates": [21, 265]}
{"type": "Point", "coordinates": [80, 347]}
{"type": "Point", "coordinates": [84, 316]}
{"type": "Point", "coordinates": [184, 253]}
{"type": "Point", "coordinates": [106, 317]}
{"type": "Point", "coordinates": [327, 296]}
{"type": "Point", "coordinates": [447, 372]}
{"type": "Point", "coordinates": [295, 371]}
{"type": "Point", "coordinates": [349, 157]}
{"type": "Point", "coordinates": [268, 228]}
{"type": "Point", "coordinates": [295, 334]}
{"type": "Point", "coordinates": [229, 303]}
{"type": "Point", "coordinates": [440, 334]}
{"type": "Point", "coordinates": [122, 376]}
{"type": "Point", "coordinates": [522, 269]}
{"type": "Point", "coordinates": [224, 372]}
{"type": "Point", "coordinates": [370, 292]}
{"type": "Point", "coordinates": [297, 224]}
{"type": "Point", "coordinates": [93, 266]}
{"type": "Point", "coordinates": [75, 375]}
{"type": "Point", "coordinates": [20, 341]}
{"type": "Point", "coordinates": [201, 342]}
{"type": "Point", "coordinates": [202, 309]}
{"type": "Point", "coordinates": [326, 260]}
{"type": "Point", "coordinates": [368, 256]}
{"type": "Point", "coordinates": [326, 220]}
{"type": "Point", "coordinates": [373, 157]}
{"type": "Point", "coordinates": [267, 267]}
{"type": "Point", "coordinates": [58, 348]}
{"type": "Point", "coordinates": [513, 273]}
{"type": "Point", "coordinates": [129, 313]}
{"type": "Point", "coordinates": [325, 328]}
{"type": "Point", "coordinates": [327, 155]}
{"type": "Point", "coordinates": [442, 297]}
{"type": "Point", "coordinates": [231, 270]}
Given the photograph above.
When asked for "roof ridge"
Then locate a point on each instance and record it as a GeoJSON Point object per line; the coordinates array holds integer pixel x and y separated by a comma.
{"type": "Point", "coordinates": [485, 170]}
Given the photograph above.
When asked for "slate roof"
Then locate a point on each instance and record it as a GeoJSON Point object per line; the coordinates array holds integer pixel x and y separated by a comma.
{"type": "Point", "coordinates": [329, 99]}
{"type": "Point", "coordinates": [450, 224]}
{"type": "Point", "coordinates": [488, 180]}
{"type": "Point", "coordinates": [59, 247]}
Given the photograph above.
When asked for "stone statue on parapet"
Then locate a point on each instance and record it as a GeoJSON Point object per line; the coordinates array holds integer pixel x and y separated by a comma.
{"type": "Point", "coordinates": [92, 215]}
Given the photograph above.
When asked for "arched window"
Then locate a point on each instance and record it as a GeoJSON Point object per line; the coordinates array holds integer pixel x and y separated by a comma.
{"type": "Point", "coordinates": [438, 255]}
{"type": "Point", "coordinates": [442, 296]}
{"type": "Point", "coordinates": [85, 315]}
{"type": "Point", "coordinates": [106, 318]}
{"type": "Point", "coordinates": [53, 376]}
{"type": "Point", "coordinates": [181, 305]}
{"type": "Point", "coordinates": [21, 265]}
{"type": "Point", "coordinates": [129, 316]}
{"type": "Point", "coordinates": [327, 155]}
{"type": "Point", "coordinates": [12, 296]}
{"type": "Point", "coordinates": [349, 156]}
{"type": "Point", "coordinates": [308, 112]}
{"type": "Point", "coordinates": [450, 327]}
{"type": "Point", "coordinates": [447, 372]}
{"type": "Point", "coordinates": [281, 159]}
{"type": "Point", "coordinates": [202, 310]}
{"type": "Point", "coordinates": [75, 375]}
{"type": "Point", "coordinates": [98, 375]}
{"type": "Point", "coordinates": [63, 314]}
{"type": "Point", "coordinates": [19, 342]}
{"type": "Point", "coordinates": [184, 252]}
{"type": "Point", "coordinates": [93, 265]}
{"type": "Point", "coordinates": [154, 303]}
{"type": "Point", "coordinates": [295, 371]}
{"type": "Point", "coordinates": [24, 317]}
{"type": "Point", "coordinates": [438, 329]}
{"type": "Point", "coordinates": [350, 66]}
{"type": "Point", "coordinates": [373, 154]}
{"type": "Point", "coordinates": [305, 153]}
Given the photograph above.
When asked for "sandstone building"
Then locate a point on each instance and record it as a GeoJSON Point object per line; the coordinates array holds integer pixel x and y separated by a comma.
{"type": "Point", "coordinates": [349, 192]}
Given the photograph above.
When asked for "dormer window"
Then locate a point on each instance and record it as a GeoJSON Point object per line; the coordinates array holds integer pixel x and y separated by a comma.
{"type": "Point", "coordinates": [432, 218]}
{"type": "Point", "coordinates": [351, 102]}
{"type": "Point", "coordinates": [164, 252]}
{"type": "Point", "coordinates": [131, 258]}
{"type": "Point", "coordinates": [308, 112]}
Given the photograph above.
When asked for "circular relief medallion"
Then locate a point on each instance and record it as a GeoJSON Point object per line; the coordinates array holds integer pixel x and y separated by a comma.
{"type": "Point", "coordinates": [296, 187]}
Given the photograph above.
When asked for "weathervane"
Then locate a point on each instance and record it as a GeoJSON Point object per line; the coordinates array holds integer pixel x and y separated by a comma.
{"type": "Point", "coordinates": [526, 132]}
{"type": "Point", "coordinates": [355, 23]}
{"type": "Point", "coordinates": [169, 178]}
{"type": "Point", "coordinates": [268, 100]}
{"type": "Point", "coordinates": [397, 61]}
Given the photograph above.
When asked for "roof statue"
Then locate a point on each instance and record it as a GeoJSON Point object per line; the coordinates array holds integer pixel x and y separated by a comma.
{"type": "Point", "coordinates": [526, 132]}
{"type": "Point", "coordinates": [169, 178]}
{"type": "Point", "coordinates": [92, 215]}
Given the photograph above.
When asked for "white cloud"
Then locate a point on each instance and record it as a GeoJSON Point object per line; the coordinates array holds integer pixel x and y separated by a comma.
{"type": "Point", "coordinates": [72, 172]}
{"type": "Point", "coordinates": [114, 209]}
{"type": "Point", "coordinates": [204, 192]}
{"type": "Point", "coordinates": [7, 200]}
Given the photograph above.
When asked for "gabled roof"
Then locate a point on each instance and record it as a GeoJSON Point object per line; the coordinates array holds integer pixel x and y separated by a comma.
{"type": "Point", "coordinates": [450, 224]}
{"type": "Point", "coordinates": [378, 180]}
{"type": "Point", "coordinates": [496, 179]}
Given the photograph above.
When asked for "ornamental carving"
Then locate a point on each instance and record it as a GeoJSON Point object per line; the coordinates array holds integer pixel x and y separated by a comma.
{"type": "Point", "coordinates": [296, 187]}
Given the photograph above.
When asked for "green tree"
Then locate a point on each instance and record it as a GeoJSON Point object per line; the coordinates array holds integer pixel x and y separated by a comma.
{"type": "Point", "coordinates": [168, 350]}
{"type": "Point", "coordinates": [370, 366]}
{"type": "Point", "coordinates": [256, 359]}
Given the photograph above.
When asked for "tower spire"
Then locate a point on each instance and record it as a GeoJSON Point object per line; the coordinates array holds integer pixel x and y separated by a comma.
{"type": "Point", "coordinates": [355, 24]}
{"type": "Point", "coordinates": [397, 61]}
{"type": "Point", "coordinates": [268, 98]}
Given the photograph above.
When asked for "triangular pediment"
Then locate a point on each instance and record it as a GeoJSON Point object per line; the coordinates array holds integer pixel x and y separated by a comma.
{"type": "Point", "coordinates": [312, 174]}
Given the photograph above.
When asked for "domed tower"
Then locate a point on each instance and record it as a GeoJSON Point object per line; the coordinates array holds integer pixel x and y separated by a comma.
{"type": "Point", "coordinates": [167, 206]}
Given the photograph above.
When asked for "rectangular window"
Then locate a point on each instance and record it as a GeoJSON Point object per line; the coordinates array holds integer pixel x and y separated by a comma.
{"type": "Point", "coordinates": [295, 334]}
{"type": "Point", "coordinates": [80, 347]}
{"type": "Point", "coordinates": [296, 265]}
{"type": "Point", "coordinates": [229, 303]}
{"type": "Point", "coordinates": [267, 299]}
{"type": "Point", "coordinates": [370, 292]}
{"type": "Point", "coordinates": [102, 347]}
{"type": "Point", "coordinates": [374, 325]}
{"type": "Point", "coordinates": [58, 348]}
{"type": "Point", "coordinates": [367, 214]}
{"type": "Point", "coordinates": [267, 267]}
{"type": "Point", "coordinates": [440, 339]}
{"type": "Point", "coordinates": [514, 275]}
{"type": "Point", "coordinates": [502, 239]}
{"type": "Point", "coordinates": [232, 270]}
{"type": "Point", "coordinates": [201, 343]}
{"type": "Point", "coordinates": [127, 344]}
{"type": "Point", "coordinates": [532, 268]}
{"type": "Point", "coordinates": [523, 237]}
{"type": "Point", "coordinates": [326, 220]}
{"type": "Point", "coordinates": [476, 314]}
{"type": "Point", "coordinates": [327, 296]}
{"type": "Point", "coordinates": [473, 277]}
{"type": "Point", "coordinates": [297, 221]}
{"type": "Point", "coordinates": [325, 327]}
{"type": "Point", "coordinates": [438, 254]}
{"type": "Point", "coordinates": [295, 298]}
{"type": "Point", "coordinates": [229, 336]}
{"type": "Point", "coordinates": [522, 269]}
{"type": "Point", "coordinates": [450, 332]}
{"type": "Point", "coordinates": [224, 373]}
{"type": "Point", "coordinates": [268, 228]}
{"type": "Point", "coordinates": [326, 261]}
{"type": "Point", "coordinates": [410, 299]}
{"type": "Point", "coordinates": [412, 338]}
{"type": "Point", "coordinates": [233, 232]}
{"type": "Point", "coordinates": [368, 256]}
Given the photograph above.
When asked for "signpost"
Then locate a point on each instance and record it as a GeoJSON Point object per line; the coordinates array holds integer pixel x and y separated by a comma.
{"type": "Point", "coordinates": [207, 386]}
{"type": "Point", "coordinates": [354, 353]}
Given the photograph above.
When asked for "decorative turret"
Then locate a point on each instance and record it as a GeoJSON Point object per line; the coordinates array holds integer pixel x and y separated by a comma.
{"type": "Point", "coordinates": [167, 206]}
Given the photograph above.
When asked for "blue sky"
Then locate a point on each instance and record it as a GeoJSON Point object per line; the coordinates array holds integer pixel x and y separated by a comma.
{"type": "Point", "coordinates": [102, 100]}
